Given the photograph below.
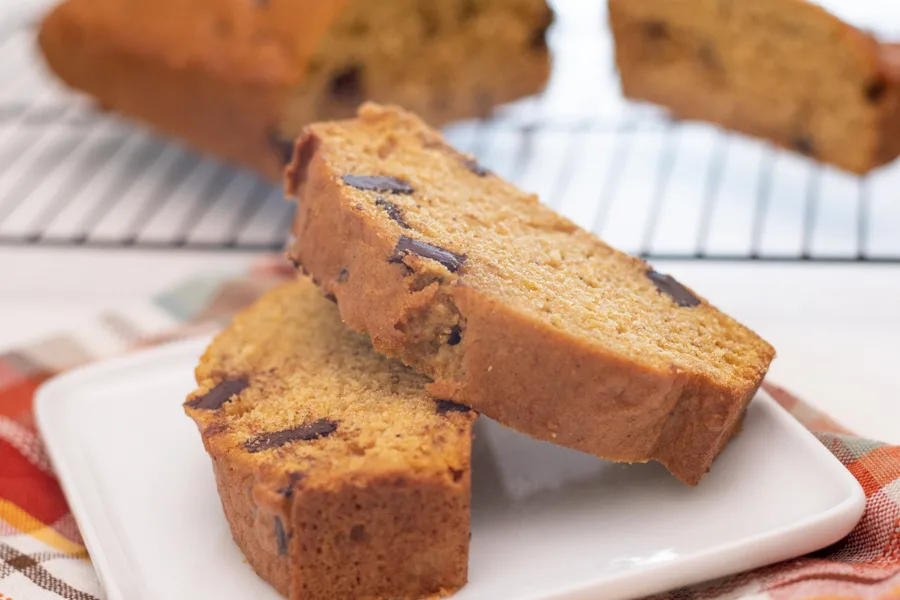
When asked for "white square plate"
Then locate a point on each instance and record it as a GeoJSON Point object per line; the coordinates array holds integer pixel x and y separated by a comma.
{"type": "Point", "coordinates": [547, 522]}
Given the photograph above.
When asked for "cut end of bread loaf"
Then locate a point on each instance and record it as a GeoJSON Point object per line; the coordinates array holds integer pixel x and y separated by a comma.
{"type": "Point", "coordinates": [239, 79]}
{"type": "Point", "coordinates": [784, 70]}
{"type": "Point", "coordinates": [339, 475]}
{"type": "Point", "coordinates": [509, 307]}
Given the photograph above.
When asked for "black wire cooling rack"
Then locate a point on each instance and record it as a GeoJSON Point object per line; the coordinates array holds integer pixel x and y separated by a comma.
{"type": "Point", "coordinates": [70, 176]}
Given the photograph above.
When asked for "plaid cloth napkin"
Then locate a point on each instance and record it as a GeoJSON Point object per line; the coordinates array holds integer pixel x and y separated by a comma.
{"type": "Point", "coordinates": [42, 555]}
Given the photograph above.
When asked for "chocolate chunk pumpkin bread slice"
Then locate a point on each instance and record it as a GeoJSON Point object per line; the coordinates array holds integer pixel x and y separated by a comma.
{"type": "Point", "coordinates": [785, 70]}
{"type": "Point", "coordinates": [339, 475]}
{"type": "Point", "coordinates": [510, 308]}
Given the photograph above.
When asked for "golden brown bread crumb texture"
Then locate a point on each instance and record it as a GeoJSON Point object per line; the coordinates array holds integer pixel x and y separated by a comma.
{"type": "Point", "coordinates": [238, 78]}
{"type": "Point", "coordinates": [509, 307]}
{"type": "Point", "coordinates": [785, 70]}
{"type": "Point", "coordinates": [339, 475]}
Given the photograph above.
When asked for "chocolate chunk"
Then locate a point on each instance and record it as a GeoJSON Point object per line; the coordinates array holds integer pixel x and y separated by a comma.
{"type": "Point", "coordinates": [282, 146]}
{"type": "Point", "coordinates": [467, 10]}
{"type": "Point", "coordinates": [656, 30]}
{"type": "Point", "coordinates": [472, 165]}
{"type": "Point", "coordinates": [219, 395]}
{"type": "Point", "coordinates": [358, 533]}
{"type": "Point", "coordinates": [431, 22]}
{"type": "Point", "coordinates": [307, 146]}
{"type": "Point", "coordinates": [538, 40]}
{"type": "Point", "coordinates": [710, 58]}
{"type": "Point", "coordinates": [392, 210]}
{"type": "Point", "coordinates": [346, 85]}
{"type": "Point", "coordinates": [222, 27]}
{"type": "Point", "coordinates": [455, 336]}
{"type": "Point", "coordinates": [803, 145]}
{"type": "Point", "coordinates": [408, 245]}
{"type": "Point", "coordinates": [446, 406]}
{"type": "Point", "coordinates": [303, 433]}
{"type": "Point", "coordinates": [343, 276]}
{"type": "Point", "coordinates": [359, 27]}
{"type": "Point", "coordinates": [875, 90]}
{"type": "Point", "coordinates": [281, 536]}
{"type": "Point", "coordinates": [669, 286]}
{"type": "Point", "coordinates": [378, 183]}
{"type": "Point", "coordinates": [288, 490]}
{"type": "Point", "coordinates": [216, 429]}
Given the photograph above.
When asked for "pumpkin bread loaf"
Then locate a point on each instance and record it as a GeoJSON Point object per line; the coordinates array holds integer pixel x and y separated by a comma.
{"type": "Point", "coordinates": [785, 70]}
{"type": "Point", "coordinates": [510, 308]}
{"type": "Point", "coordinates": [339, 475]}
{"type": "Point", "coordinates": [238, 78]}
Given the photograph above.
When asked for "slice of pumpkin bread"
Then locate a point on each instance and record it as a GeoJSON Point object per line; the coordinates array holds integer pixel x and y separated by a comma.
{"type": "Point", "coordinates": [784, 70]}
{"type": "Point", "coordinates": [510, 308]}
{"type": "Point", "coordinates": [339, 475]}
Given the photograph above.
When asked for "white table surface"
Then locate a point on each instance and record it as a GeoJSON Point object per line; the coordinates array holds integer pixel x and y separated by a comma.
{"type": "Point", "coordinates": [836, 327]}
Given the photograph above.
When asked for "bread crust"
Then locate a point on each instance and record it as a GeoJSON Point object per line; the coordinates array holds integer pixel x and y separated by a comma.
{"type": "Point", "coordinates": [344, 541]}
{"type": "Point", "coordinates": [392, 526]}
{"type": "Point", "coordinates": [513, 368]}
{"type": "Point", "coordinates": [674, 57]}
{"type": "Point", "coordinates": [238, 78]}
{"type": "Point", "coordinates": [213, 114]}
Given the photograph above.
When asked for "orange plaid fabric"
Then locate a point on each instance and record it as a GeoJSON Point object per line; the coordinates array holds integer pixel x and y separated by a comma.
{"type": "Point", "coordinates": [42, 555]}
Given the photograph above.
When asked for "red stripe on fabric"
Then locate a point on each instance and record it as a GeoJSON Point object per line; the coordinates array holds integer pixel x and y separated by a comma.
{"type": "Point", "coordinates": [29, 488]}
{"type": "Point", "coordinates": [865, 477]}
{"type": "Point", "coordinates": [883, 463]}
{"type": "Point", "coordinates": [17, 399]}
{"type": "Point", "coordinates": [876, 469]}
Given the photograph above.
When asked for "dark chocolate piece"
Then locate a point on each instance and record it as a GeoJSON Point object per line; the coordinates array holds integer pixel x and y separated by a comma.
{"type": "Point", "coordinates": [283, 147]}
{"type": "Point", "coordinates": [875, 90]}
{"type": "Point", "coordinates": [346, 85]}
{"type": "Point", "coordinates": [446, 406]}
{"type": "Point", "coordinates": [288, 490]}
{"type": "Point", "coordinates": [467, 10]}
{"type": "Point", "coordinates": [656, 30]}
{"type": "Point", "coordinates": [455, 336]}
{"type": "Point", "coordinates": [392, 210]}
{"type": "Point", "coordinates": [668, 285]}
{"type": "Point", "coordinates": [281, 536]}
{"type": "Point", "coordinates": [710, 58]}
{"type": "Point", "coordinates": [302, 433]}
{"type": "Point", "coordinates": [431, 23]}
{"type": "Point", "coordinates": [296, 176]}
{"type": "Point", "coordinates": [378, 183]}
{"type": "Point", "coordinates": [216, 429]}
{"type": "Point", "coordinates": [358, 533]}
{"type": "Point", "coordinates": [803, 145]}
{"type": "Point", "coordinates": [472, 165]}
{"type": "Point", "coordinates": [343, 276]}
{"type": "Point", "coordinates": [406, 245]}
{"type": "Point", "coordinates": [219, 395]}
{"type": "Point", "coordinates": [222, 27]}
{"type": "Point", "coordinates": [538, 41]}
